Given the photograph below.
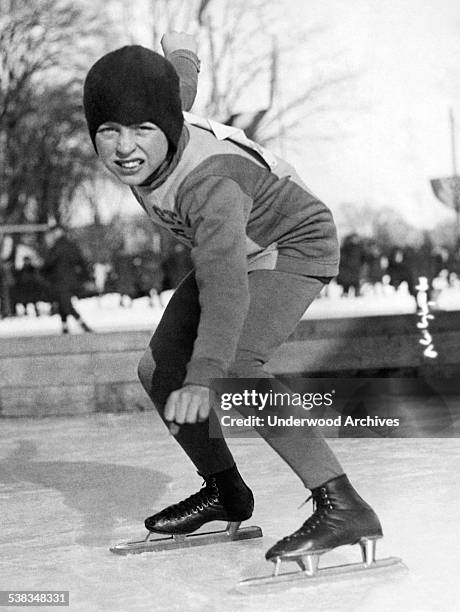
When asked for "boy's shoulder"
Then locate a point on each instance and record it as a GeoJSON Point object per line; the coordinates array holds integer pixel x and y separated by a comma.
{"type": "Point", "coordinates": [234, 137]}
{"type": "Point", "coordinates": [209, 151]}
{"type": "Point", "coordinates": [216, 149]}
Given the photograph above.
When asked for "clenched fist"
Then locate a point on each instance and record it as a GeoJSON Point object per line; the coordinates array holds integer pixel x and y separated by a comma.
{"type": "Point", "coordinates": [190, 404]}
{"type": "Point", "coordinates": [172, 41]}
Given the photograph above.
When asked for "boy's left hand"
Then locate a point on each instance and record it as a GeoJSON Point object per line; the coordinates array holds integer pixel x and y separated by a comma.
{"type": "Point", "coordinates": [189, 404]}
{"type": "Point", "coordinates": [173, 41]}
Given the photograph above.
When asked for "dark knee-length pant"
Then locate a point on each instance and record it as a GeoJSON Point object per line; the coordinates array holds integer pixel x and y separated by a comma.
{"type": "Point", "coordinates": [277, 302]}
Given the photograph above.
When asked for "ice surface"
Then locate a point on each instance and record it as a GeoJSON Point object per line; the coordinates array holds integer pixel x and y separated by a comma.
{"type": "Point", "coordinates": [71, 487]}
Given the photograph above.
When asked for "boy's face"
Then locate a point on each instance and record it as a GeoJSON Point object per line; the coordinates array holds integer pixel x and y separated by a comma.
{"type": "Point", "coordinates": [132, 153]}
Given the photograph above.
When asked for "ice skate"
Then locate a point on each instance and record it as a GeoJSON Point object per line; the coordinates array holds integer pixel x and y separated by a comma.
{"type": "Point", "coordinates": [225, 497]}
{"type": "Point", "coordinates": [340, 517]}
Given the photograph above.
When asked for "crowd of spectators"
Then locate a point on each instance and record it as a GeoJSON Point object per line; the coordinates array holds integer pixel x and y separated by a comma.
{"type": "Point", "coordinates": [27, 279]}
{"type": "Point", "coordinates": [365, 262]}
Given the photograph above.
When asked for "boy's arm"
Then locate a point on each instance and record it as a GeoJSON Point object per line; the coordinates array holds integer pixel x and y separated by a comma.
{"type": "Point", "coordinates": [180, 50]}
{"type": "Point", "coordinates": [216, 209]}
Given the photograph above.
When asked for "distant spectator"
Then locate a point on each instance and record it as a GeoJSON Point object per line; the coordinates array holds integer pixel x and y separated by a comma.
{"type": "Point", "coordinates": [439, 273]}
{"type": "Point", "coordinates": [6, 275]}
{"type": "Point", "coordinates": [65, 270]}
{"type": "Point", "coordinates": [373, 268]}
{"type": "Point", "coordinates": [176, 265]}
{"type": "Point", "coordinates": [424, 259]}
{"type": "Point", "coordinates": [454, 264]}
{"type": "Point", "coordinates": [148, 275]}
{"type": "Point", "coordinates": [6, 285]}
{"type": "Point", "coordinates": [122, 278]}
{"type": "Point", "coordinates": [439, 261]}
{"type": "Point", "coordinates": [101, 272]}
{"type": "Point", "coordinates": [352, 259]}
{"type": "Point", "coordinates": [30, 287]}
{"type": "Point", "coordinates": [402, 268]}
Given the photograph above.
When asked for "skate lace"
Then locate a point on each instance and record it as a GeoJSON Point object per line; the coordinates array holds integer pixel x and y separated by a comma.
{"type": "Point", "coordinates": [204, 498]}
{"type": "Point", "coordinates": [321, 505]}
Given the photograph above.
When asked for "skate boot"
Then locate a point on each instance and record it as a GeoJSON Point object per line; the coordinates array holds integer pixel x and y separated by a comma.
{"type": "Point", "coordinates": [225, 497]}
{"type": "Point", "coordinates": [340, 517]}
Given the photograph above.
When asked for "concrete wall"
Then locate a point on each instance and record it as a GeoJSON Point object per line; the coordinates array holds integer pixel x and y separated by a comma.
{"type": "Point", "coordinates": [49, 375]}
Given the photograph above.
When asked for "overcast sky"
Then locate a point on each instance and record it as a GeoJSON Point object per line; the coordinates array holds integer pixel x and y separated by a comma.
{"type": "Point", "coordinates": [408, 55]}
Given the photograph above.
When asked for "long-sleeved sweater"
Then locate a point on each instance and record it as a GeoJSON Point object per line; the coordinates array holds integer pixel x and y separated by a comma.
{"type": "Point", "coordinates": [239, 208]}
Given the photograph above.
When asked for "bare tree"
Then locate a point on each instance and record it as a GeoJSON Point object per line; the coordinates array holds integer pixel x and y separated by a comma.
{"type": "Point", "coordinates": [43, 151]}
{"type": "Point", "coordinates": [99, 196]}
{"type": "Point", "coordinates": [249, 53]}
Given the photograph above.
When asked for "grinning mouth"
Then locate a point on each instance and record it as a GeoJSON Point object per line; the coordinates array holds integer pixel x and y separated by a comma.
{"type": "Point", "coordinates": [129, 164]}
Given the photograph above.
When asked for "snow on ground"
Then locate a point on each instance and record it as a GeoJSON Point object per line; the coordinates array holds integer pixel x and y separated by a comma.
{"type": "Point", "coordinates": [105, 313]}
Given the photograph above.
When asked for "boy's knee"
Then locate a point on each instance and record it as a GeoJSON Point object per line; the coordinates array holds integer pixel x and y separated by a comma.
{"type": "Point", "coordinates": [145, 369]}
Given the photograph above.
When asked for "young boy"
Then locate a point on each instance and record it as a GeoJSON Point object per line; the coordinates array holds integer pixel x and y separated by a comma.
{"type": "Point", "coordinates": [263, 247]}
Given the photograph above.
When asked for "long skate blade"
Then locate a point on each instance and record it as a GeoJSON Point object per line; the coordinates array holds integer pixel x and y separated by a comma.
{"type": "Point", "coordinates": [323, 574]}
{"type": "Point", "coordinates": [187, 541]}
